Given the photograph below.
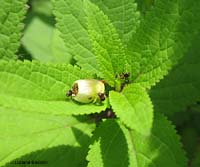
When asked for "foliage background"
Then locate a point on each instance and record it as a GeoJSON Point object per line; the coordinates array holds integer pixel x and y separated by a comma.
{"type": "Point", "coordinates": [40, 20]}
{"type": "Point", "coordinates": [51, 48]}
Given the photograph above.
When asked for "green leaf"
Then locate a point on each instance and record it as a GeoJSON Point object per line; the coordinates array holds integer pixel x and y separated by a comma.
{"type": "Point", "coordinates": [163, 37]}
{"type": "Point", "coordinates": [41, 88]}
{"type": "Point", "coordinates": [12, 13]}
{"type": "Point", "coordinates": [34, 80]}
{"type": "Point", "coordinates": [196, 161]}
{"type": "Point", "coordinates": [44, 7]}
{"type": "Point", "coordinates": [108, 150]}
{"type": "Point", "coordinates": [123, 15]}
{"type": "Point", "coordinates": [71, 22]}
{"type": "Point", "coordinates": [189, 137]}
{"type": "Point", "coordinates": [48, 47]}
{"type": "Point", "coordinates": [181, 87]}
{"type": "Point", "coordinates": [145, 5]}
{"type": "Point", "coordinates": [134, 108]}
{"type": "Point", "coordinates": [106, 43]}
{"type": "Point", "coordinates": [55, 107]}
{"type": "Point", "coordinates": [45, 137]}
{"type": "Point", "coordinates": [160, 148]}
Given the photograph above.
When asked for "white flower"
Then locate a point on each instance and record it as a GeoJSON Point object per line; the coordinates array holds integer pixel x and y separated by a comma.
{"type": "Point", "coordinates": [88, 90]}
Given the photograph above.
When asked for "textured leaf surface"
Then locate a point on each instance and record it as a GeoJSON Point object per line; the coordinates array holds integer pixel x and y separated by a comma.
{"type": "Point", "coordinates": [181, 87]}
{"type": "Point", "coordinates": [71, 22]}
{"type": "Point", "coordinates": [133, 106]}
{"type": "Point", "coordinates": [108, 150]}
{"type": "Point", "coordinates": [106, 43]}
{"type": "Point", "coordinates": [48, 47]}
{"type": "Point", "coordinates": [27, 136]}
{"type": "Point", "coordinates": [123, 15]}
{"type": "Point", "coordinates": [145, 5]}
{"type": "Point", "coordinates": [41, 88]}
{"type": "Point", "coordinates": [161, 148]}
{"type": "Point", "coordinates": [163, 37]}
{"type": "Point", "coordinates": [11, 15]}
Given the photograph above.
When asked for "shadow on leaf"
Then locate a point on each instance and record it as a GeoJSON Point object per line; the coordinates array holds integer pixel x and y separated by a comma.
{"type": "Point", "coordinates": [62, 156]}
{"type": "Point", "coordinates": [112, 145]}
